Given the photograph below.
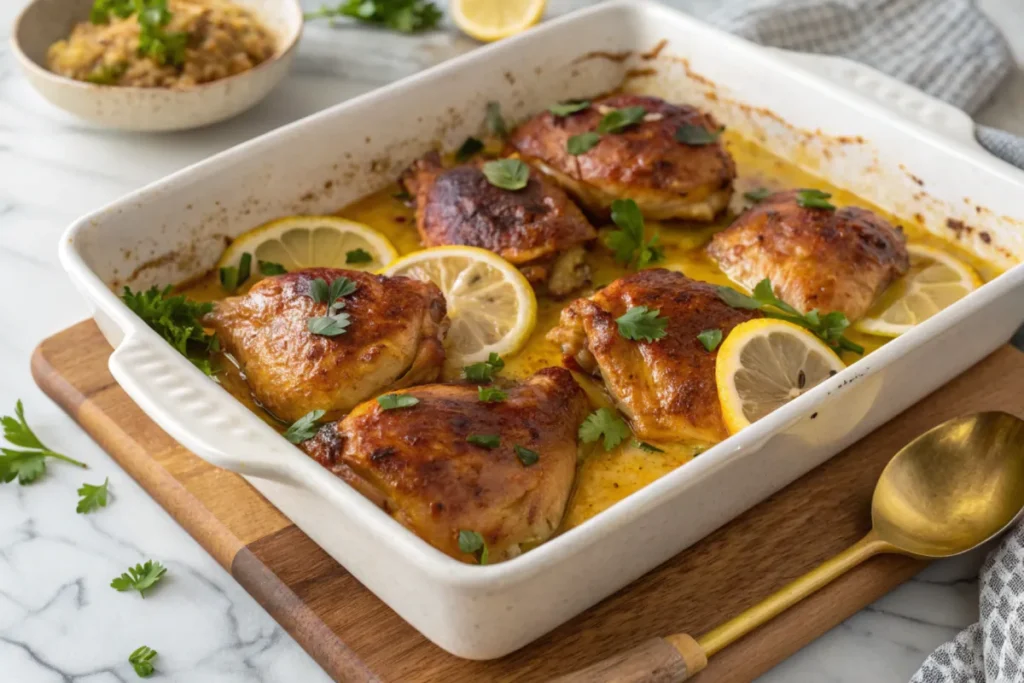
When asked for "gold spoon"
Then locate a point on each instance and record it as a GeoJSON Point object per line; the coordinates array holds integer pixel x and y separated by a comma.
{"type": "Point", "coordinates": [945, 493]}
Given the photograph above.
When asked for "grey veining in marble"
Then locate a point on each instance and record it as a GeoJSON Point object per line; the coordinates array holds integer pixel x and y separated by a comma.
{"type": "Point", "coordinates": [59, 619]}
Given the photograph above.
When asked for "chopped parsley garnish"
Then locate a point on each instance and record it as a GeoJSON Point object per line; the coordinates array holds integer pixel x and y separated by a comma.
{"type": "Point", "coordinates": [107, 74]}
{"type": "Point", "coordinates": [141, 577]}
{"type": "Point", "coordinates": [142, 661]}
{"type": "Point", "coordinates": [582, 143]}
{"type": "Point", "coordinates": [305, 427]}
{"type": "Point", "coordinates": [605, 424]}
{"type": "Point", "coordinates": [336, 321]}
{"type": "Point", "coordinates": [628, 241]}
{"type": "Point", "coordinates": [814, 199]}
{"type": "Point", "coordinates": [469, 149]}
{"type": "Point", "coordinates": [28, 465]}
{"type": "Point", "coordinates": [495, 121]}
{"type": "Point", "coordinates": [640, 323]}
{"type": "Point", "coordinates": [566, 108]}
{"type": "Point", "coordinates": [103, 9]}
{"type": "Point", "coordinates": [269, 268]}
{"type": "Point", "coordinates": [618, 120]}
{"type": "Point", "coordinates": [162, 46]}
{"type": "Point", "coordinates": [487, 441]}
{"type": "Point", "coordinates": [92, 497]}
{"type": "Point", "coordinates": [508, 174]}
{"type": "Point", "coordinates": [395, 401]}
{"type": "Point", "coordinates": [404, 16]}
{"type": "Point", "coordinates": [472, 543]}
{"type": "Point", "coordinates": [710, 339]}
{"type": "Point", "coordinates": [178, 320]}
{"type": "Point", "coordinates": [358, 256]}
{"type": "Point", "coordinates": [829, 327]}
{"type": "Point", "coordinates": [484, 371]}
{"type": "Point", "coordinates": [644, 446]}
{"type": "Point", "coordinates": [490, 394]}
{"type": "Point", "coordinates": [758, 195]}
{"type": "Point", "coordinates": [233, 277]}
{"type": "Point", "coordinates": [525, 455]}
{"type": "Point", "coordinates": [696, 136]}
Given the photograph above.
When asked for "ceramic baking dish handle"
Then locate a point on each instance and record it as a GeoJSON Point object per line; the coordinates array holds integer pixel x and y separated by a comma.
{"type": "Point", "coordinates": [191, 408]}
{"type": "Point", "coordinates": [901, 99]}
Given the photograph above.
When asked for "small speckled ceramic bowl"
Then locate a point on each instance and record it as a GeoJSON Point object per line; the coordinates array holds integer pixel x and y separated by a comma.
{"type": "Point", "coordinates": [44, 22]}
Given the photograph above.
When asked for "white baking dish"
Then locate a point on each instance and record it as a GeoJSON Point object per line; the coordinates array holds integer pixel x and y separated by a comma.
{"type": "Point", "coordinates": [893, 145]}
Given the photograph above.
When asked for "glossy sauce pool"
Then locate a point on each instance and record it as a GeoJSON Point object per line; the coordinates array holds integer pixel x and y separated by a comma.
{"type": "Point", "coordinates": [604, 478]}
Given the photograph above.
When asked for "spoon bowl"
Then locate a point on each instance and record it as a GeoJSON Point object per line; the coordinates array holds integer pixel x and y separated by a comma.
{"type": "Point", "coordinates": [952, 488]}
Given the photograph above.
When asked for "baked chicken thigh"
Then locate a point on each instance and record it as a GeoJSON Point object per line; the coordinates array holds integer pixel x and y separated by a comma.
{"type": "Point", "coordinates": [394, 338]}
{"type": "Point", "coordinates": [452, 462]}
{"type": "Point", "coordinates": [645, 162]}
{"type": "Point", "coordinates": [816, 258]}
{"type": "Point", "coordinates": [666, 388]}
{"type": "Point", "coordinates": [537, 229]}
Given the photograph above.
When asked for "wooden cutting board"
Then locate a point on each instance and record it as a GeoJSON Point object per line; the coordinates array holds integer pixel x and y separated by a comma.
{"type": "Point", "coordinates": [355, 637]}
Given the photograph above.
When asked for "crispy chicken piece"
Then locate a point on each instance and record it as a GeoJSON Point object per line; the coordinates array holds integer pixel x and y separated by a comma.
{"type": "Point", "coordinates": [815, 258]}
{"type": "Point", "coordinates": [417, 464]}
{"type": "Point", "coordinates": [394, 339]}
{"type": "Point", "coordinates": [665, 177]}
{"type": "Point", "coordinates": [538, 228]}
{"type": "Point", "coordinates": [666, 387]}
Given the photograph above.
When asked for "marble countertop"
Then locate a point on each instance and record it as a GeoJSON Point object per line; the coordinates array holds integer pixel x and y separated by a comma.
{"type": "Point", "coordinates": [59, 620]}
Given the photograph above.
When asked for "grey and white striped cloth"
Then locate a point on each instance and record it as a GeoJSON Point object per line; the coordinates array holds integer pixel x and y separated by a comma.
{"type": "Point", "coordinates": [950, 50]}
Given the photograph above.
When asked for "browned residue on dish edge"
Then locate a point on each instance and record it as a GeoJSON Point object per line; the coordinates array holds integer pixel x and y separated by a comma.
{"type": "Point", "coordinates": [603, 54]}
{"type": "Point", "coordinates": [654, 51]}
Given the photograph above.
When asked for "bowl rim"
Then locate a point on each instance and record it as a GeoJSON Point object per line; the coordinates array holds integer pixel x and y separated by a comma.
{"type": "Point", "coordinates": [288, 45]}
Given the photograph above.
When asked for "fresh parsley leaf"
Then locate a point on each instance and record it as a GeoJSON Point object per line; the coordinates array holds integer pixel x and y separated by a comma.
{"type": "Point", "coordinates": [696, 136]}
{"type": "Point", "coordinates": [710, 339]}
{"type": "Point", "coordinates": [25, 466]}
{"type": "Point", "coordinates": [329, 325]}
{"type": "Point", "coordinates": [92, 497]}
{"type": "Point", "coordinates": [103, 9]}
{"type": "Point", "coordinates": [393, 401]}
{"type": "Point", "coordinates": [650, 252]}
{"type": "Point", "coordinates": [472, 543]}
{"type": "Point", "coordinates": [404, 16]}
{"type": "Point", "coordinates": [107, 74]}
{"type": "Point", "coordinates": [487, 441]}
{"type": "Point", "coordinates": [269, 268]}
{"type": "Point", "coordinates": [566, 108]}
{"type": "Point", "coordinates": [469, 149]}
{"type": "Point", "coordinates": [358, 256]}
{"type": "Point", "coordinates": [484, 371]}
{"type": "Point", "coordinates": [402, 196]}
{"type": "Point", "coordinates": [508, 174]}
{"type": "Point", "coordinates": [178, 320]}
{"type": "Point", "coordinates": [525, 455]}
{"type": "Point", "coordinates": [618, 120]}
{"type": "Point", "coordinates": [305, 427]}
{"type": "Point", "coordinates": [142, 661]}
{"type": "Point", "coordinates": [495, 121]}
{"type": "Point", "coordinates": [830, 328]}
{"type": "Point", "coordinates": [582, 143]}
{"type": "Point", "coordinates": [814, 199]}
{"type": "Point", "coordinates": [644, 446]}
{"type": "Point", "coordinates": [640, 323]}
{"type": "Point", "coordinates": [162, 46]}
{"type": "Point", "coordinates": [340, 287]}
{"type": "Point", "coordinates": [141, 577]}
{"type": "Point", "coordinates": [318, 290]}
{"type": "Point", "coordinates": [627, 242]}
{"type": "Point", "coordinates": [490, 394]}
{"type": "Point", "coordinates": [232, 277]}
{"type": "Point", "coordinates": [758, 195]}
{"type": "Point", "coordinates": [604, 423]}
{"type": "Point", "coordinates": [336, 321]}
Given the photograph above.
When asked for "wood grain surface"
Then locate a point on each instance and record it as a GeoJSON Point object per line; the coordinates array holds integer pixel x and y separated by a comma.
{"type": "Point", "coordinates": [355, 637]}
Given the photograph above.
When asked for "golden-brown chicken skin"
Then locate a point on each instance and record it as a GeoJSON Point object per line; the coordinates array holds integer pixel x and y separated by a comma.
{"type": "Point", "coordinates": [394, 339]}
{"type": "Point", "coordinates": [666, 178]}
{"type": "Point", "coordinates": [538, 228]}
{"type": "Point", "coordinates": [417, 464]}
{"type": "Point", "coordinates": [829, 260]}
{"type": "Point", "coordinates": [666, 388]}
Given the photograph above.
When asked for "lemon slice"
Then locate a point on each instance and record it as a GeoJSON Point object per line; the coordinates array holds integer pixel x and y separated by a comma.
{"type": "Point", "coordinates": [935, 281]}
{"type": "Point", "coordinates": [490, 20]}
{"type": "Point", "coordinates": [301, 242]}
{"type": "Point", "coordinates": [491, 305]}
{"type": "Point", "coordinates": [765, 363]}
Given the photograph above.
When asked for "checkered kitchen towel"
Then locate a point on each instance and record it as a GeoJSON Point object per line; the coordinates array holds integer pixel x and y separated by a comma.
{"type": "Point", "coordinates": [948, 49]}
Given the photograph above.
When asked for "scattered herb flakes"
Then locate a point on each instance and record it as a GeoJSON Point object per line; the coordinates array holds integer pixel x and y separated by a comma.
{"type": "Point", "coordinates": [473, 543]}
{"type": "Point", "coordinates": [178, 320]}
{"type": "Point", "coordinates": [358, 256]}
{"type": "Point", "coordinates": [162, 46]}
{"type": "Point", "coordinates": [142, 661]}
{"type": "Point", "coordinates": [495, 121]}
{"type": "Point", "coordinates": [582, 143]}
{"type": "Point", "coordinates": [487, 441]}
{"type": "Point", "coordinates": [758, 195]}
{"type": "Point", "coordinates": [508, 174]}
{"type": "Point", "coordinates": [233, 277]}
{"type": "Point", "coordinates": [640, 323]}
{"type": "Point", "coordinates": [103, 9]}
{"type": "Point", "coordinates": [627, 242]}
{"type": "Point", "coordinates": [395, 401]}
{"type": "Point", "coordinates": [646, 447]}
{"type": "Point", "coordinates": [92, 498]}
{"type": "Point", "coordinates": [484, 371]}
{"type": "Point", "coordinates": [567, 108]}
{"type": "Point", "coordinates": [404, 16]}
{"type": "Point", "coordinates": [305, 427]}
{"type": "Point", "coordinates": [525, 455]}
{"type": "Point", "coordinates": [618, 120]}
{"type": "Point", "coordinates": [814, 199]}
{"type": "Point", "coordinates": [141, 577]}
{"type": "Point", "coordinates": [25, 465]}
{"type": "Point", "coordinates": [710, 339]}
{"type": "Point", "coordinates": [269, 268]}
{"type": "Point", "coordinates": [469, 149]}
{"type": "Point", "coordinates": [490, 394]}
{"type": "Point", "coordinates": [696, 136]}
{"type": "Point", "coordinates": [402, 196]}
{"type": "Point", "coordinates": [605, 424]}
{"type": "Point", "coordinates": [107, 74]}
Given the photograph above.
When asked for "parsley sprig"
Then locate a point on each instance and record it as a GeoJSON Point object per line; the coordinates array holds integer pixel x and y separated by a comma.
{"type": "Point", "coordinates": [92, 497]}
{"type": "Point", "coordinates": [155, 41]}
{"type": "Point", "coordinates": [604, 424]}
{"type": "Point", "coordinates": [141, 577]}
{"type": "Point", "coordinates": [336, 321]}
{"type": "Point", "coordinates": [828, 327]}
{"type": "Point", "coordinates": [404, 16]}
{"type": "Point", "coordinates": [508, 174]}
{"type": "Point", "coordinates": [628, 241]}
{"type": "Point", "coordinates": [484, 371]}
{"type": "Point", "coordinates": [178, 320]}
{"type": "Point", "coordinates": [814, 199]}
{"type": "Point", "coordinates": [25, 465]}
{"type": "Point", "coordinates": [473, 543]}
{"type": "Point", "coordinates": [305, 427]}
{"type": "Point", "coordinates": [640, 323]}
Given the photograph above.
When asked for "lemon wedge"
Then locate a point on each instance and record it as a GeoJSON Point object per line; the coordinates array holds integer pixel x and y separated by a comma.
{"type": "Point", "coordinates": [491, 305]}
{"type": "Point", "coordinates": [765, 363]}
{"type": "Point", "coordinates": [490, 20]}
{"type": "Point", "coordinates": [301, 242]}
{"type": "Point", "coordinates": [935, 281]}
